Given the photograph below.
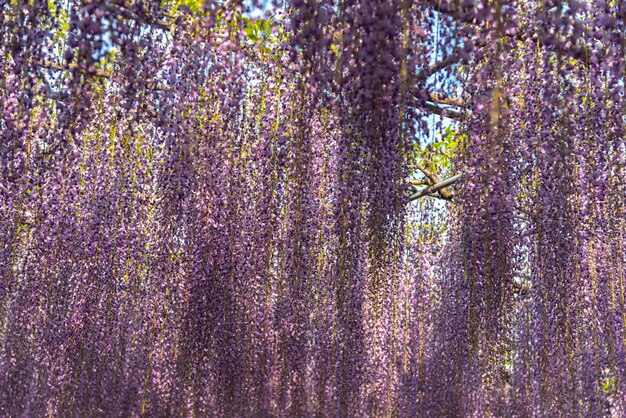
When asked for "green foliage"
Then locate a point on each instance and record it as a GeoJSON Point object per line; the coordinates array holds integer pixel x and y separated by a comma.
{"type": "Point", "coordinates": [62, 17]}
{"type": "Point", "coordinates": [440, 155]}
{"type": "Point", "coordinates": [194, 5]}
{"type": "Point", "coordinates": [265, 34]}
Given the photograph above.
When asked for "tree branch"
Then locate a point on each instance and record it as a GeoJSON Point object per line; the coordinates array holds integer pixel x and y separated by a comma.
{"type": "Point", "coordinates": [446, 100]}
{"type": "Point", "coordinates": [125, 10]}
{"type": "Point", "coordinates": [93, 71]}
{"type": "Point", "coordinates": [451, 59]}
{"type": "Point", "coordinates": [420, 182]}
{"type": "Point", "coordinates": [96, 72]}
{"type": "Point", "coordinates": [442, 111]}
{"type": "Point", "coordinates": [435, 186]}
{"type": "Point", "coordinates": [438, 187]}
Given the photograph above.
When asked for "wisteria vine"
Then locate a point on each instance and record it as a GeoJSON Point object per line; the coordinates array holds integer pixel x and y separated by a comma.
{"type": "Point", "coordinates": [234, 208]}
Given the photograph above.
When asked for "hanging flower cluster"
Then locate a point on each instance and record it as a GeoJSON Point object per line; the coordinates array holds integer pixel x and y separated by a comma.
{"type": "Point", "coordinates": [204, 210]}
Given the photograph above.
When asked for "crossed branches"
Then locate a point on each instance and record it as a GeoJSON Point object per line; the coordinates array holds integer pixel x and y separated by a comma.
{"type": "Point", "coordinates": [434, 187]}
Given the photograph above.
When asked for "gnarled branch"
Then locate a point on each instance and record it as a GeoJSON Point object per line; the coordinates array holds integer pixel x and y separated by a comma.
{"type": "Point", "coordinates": [437, 187]}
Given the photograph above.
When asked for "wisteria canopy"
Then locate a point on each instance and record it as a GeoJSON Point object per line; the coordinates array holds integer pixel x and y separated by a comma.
{"type": "Point", "coordinates": [346, 208]}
